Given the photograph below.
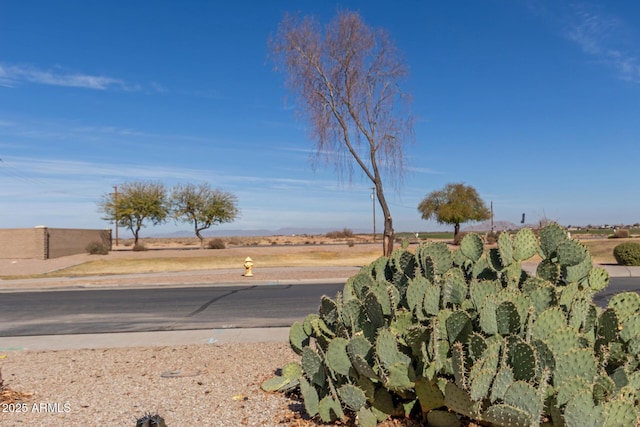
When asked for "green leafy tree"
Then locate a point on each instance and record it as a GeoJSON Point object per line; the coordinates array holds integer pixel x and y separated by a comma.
{"type": "Point", "coordinates": [454, 204]}
{"type": "Point", "coordinates": [346, 77]}
{"type": "Point", "coordinates": [136, 203]}
{"type": "Point", "coordinates": [203, 206]}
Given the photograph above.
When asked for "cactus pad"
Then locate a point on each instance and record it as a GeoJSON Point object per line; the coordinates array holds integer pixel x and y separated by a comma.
{"type": "Point", "coordinates": [571, 253]}
{"type": "Point", "coordinates": [440, 259]}
{"type": "Point", "coordinates": [550, 237]}
{"type": "Point", "coordinates": [502, 381]}
{"type": "Point", "coordinates": [442, 419]}
{"type": "Point", "coordinates": [352, 396]}
{"type": "Point", "coordinates": [472, 246]}
{"type": "Point", "coordinates": [459, 327]}
{"type": "Point", "coordinates": [525, 245]}
{"type": "Point", "coordinates": [505, 248]}
{"type": "Point", "coordinates": [330, 410]}
{"type": "Point", "coordinates": [337, 359]}
{"type": "Point", "coordinates": [429, 395]}
{"type": "Point", "coordinates": [298, 338]}
{"type": "Point", "coordinates": [620, 413]}
{"type": "Point", "coordinates": [524, 396]}
{"type": "Point", "coordinates": [522, 359]}
{"type": "Point", "coordinates": [598, 279]}
{"type": "Point", "coordinates": [313, 366]}
{"type": "Point", "coordinates": [454, 288]}
{"type": "Point", "coordinates": [625, 304]}
{"type": "Point", "coordinates": [507, 318]}
{"type": "Point", "coordinates": [581, 411]}
{"type": "Point", "coordinates": [507, 416]}
{"type": "Point", "coordinates": [310, 396]}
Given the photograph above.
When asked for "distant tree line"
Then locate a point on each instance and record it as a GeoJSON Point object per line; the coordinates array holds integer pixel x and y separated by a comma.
{"type": "Point", "coordinates": [137, 203]}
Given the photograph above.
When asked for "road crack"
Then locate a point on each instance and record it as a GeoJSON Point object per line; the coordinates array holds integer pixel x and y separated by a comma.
{"type": "Point", "coordinates": [206, 305]}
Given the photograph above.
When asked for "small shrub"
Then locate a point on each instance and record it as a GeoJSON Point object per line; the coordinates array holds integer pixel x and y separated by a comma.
{"type": "Point", "coordinates": [627, 253]}
{"type": "Point", "coordinates": [97, 248]}
{"type": "Point", "coordinates": [216, 244]}
{"type": "Point", "coordinates": [621, 233]}
{"type": "Point", "coordinates": [344, 234]}
{"type": "Point", "coordinates": [235, 241]}
{"type": "Point", "coordinates": [492, 238]}
{"type": "Point", "coordinates": [351, 243]}
{"type": "Point", "coordinates": [140, 247]}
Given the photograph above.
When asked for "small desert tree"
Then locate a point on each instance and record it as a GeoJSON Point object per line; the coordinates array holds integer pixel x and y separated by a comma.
{"type": "Point", "coordinates": [203, 206]}
{"type": "Point", "coordinates": [455, 204]}
{"type": "Point", "coordinates": [346, 78]}
{"type": "Point", "coordinates": [136, 203]}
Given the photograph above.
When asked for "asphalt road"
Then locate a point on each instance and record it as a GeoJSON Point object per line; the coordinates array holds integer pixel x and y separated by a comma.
{"type": "Point", "coordinates": [163, 309]}
{"type": "Point", "coordinates": [167, 309]}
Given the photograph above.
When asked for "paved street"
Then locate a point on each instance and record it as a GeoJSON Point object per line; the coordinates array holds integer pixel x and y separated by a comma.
{"type": "Point", "coordinates": [164, 309]}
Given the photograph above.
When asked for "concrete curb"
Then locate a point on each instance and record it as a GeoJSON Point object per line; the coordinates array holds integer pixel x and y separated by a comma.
{"type": "Point", "coordinates": [143, 339]}
{"type": "Point", "coordinates": [89, 286]}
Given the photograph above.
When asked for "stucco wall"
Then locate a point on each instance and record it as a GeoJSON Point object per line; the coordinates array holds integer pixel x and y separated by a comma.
{"type": "Point", "coordinates": [45, 243]}
{"type": "Point", "coordinates": [71, 241]}
{"type": "Point", "coordinates": [21, 243]}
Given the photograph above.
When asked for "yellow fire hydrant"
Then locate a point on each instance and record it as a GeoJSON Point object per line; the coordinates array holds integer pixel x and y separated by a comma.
{"type": "Point", "coordinates": [248, 265]}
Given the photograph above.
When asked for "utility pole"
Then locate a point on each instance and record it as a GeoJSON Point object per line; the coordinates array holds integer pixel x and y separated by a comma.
{"type": "Point", "coordinates": [492, 216]}
{"type": "Point", "coordinates": [115, 209]}
{"type": "Point", "coordinates": [373, 198]}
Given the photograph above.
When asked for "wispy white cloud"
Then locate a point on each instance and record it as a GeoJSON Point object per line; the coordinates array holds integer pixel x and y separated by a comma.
{"type": "Point", "coordinates": [35, 171]}
{"type": "Point", "coordinates": [606, 38]}
{"type": "Point", "coordinates": [14, 75]}
{"type": "Point", "coordinates": [422, 170]}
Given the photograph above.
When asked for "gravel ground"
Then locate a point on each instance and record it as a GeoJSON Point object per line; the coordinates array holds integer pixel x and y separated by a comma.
{"type": "Point", "coordinates": [194, 385]}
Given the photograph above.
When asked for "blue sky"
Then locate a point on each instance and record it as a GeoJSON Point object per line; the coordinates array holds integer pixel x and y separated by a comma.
{"type": "Point", "coordinates": [534, 103]}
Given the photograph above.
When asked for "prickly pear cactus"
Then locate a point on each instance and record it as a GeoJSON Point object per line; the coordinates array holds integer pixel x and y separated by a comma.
{"type": "Point", "coordinates": [435, 333]}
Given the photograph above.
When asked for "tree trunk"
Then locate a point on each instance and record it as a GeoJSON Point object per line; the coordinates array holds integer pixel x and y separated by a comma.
{"type": "Point", "coordinates": [136, 234]}
{"type": "Point", "coordinates": [388, 235]}
{"type": "Point", "coordinates": [201, 238]}
{"type": "Point", "coordinates": [456, 230]}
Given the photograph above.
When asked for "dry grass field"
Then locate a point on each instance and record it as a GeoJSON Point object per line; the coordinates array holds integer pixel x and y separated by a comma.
{"type": "Point", "coordinates": [184, 254]}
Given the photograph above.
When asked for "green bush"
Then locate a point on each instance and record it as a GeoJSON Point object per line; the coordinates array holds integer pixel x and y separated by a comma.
{"type": "Point", "coordinates": [440, 335]}
{"type": "Point", "coordinates": [627, 253]}
{"type": "Point", "coordinates": [97, 248]}
{"type": "Point", "coordinates": [216, 243]}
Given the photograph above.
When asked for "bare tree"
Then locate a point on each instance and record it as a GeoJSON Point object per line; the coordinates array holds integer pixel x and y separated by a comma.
{"type": "Point", "coordinates": [346, 78]}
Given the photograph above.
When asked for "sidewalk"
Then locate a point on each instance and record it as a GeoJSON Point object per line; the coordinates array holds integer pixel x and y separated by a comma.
{"type": "Point", "coordinates": [297, 275]}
